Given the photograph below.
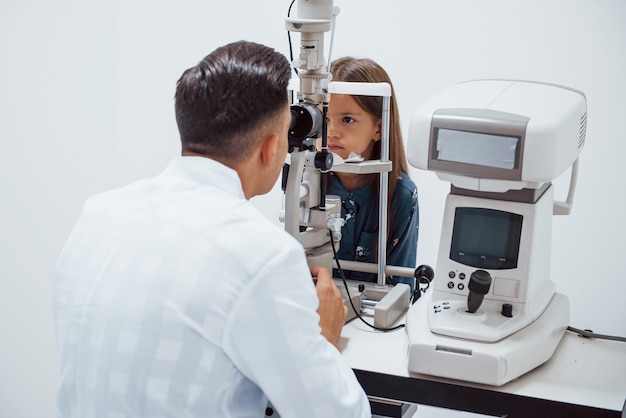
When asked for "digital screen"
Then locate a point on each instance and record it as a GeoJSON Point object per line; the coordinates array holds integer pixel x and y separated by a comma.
{"type": "Point", "coordinates": [486, 238]}
{"type": "Point", "coordinates": [477, 148]}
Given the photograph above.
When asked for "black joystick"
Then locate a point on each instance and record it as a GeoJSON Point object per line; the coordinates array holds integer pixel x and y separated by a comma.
{"type": "Point", "coordinates": [479, 284]}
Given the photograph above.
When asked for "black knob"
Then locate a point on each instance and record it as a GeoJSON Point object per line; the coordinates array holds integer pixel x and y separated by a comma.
{"type": "Point", "coordinates": [507, 310]}
{"type": "Point", "coordinates": [424, 274]}
{"type": "Point", "coordinates": [425, 271]}
{"type": "Point", "coordinates": [323, 160]}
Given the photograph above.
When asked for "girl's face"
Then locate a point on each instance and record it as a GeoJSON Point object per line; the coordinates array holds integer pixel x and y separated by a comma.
{"type": "Point", "coordinates": [350, 127]}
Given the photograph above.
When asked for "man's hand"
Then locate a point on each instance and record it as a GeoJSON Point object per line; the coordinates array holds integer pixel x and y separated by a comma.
{"type": "Point", "coordinates": [331, 310]}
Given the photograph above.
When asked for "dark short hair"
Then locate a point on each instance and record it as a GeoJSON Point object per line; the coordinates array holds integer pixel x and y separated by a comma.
{"type": "Point", "coordinates": [223, 101]}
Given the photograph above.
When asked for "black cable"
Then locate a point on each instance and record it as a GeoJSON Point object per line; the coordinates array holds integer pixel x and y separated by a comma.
{"type": "Point", "coordinates": [289, 37]}
{"type": "Point", "coordinates": [345, 284]}
{"type": "Point", "coordinates": [591, 334]}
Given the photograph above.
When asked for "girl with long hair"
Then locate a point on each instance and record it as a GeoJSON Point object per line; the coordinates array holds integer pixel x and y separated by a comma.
{"type": "Point", "coordinates": [354, 129]}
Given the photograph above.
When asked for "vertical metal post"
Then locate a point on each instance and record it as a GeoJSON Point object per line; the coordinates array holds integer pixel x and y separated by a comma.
{"type": "Point", "coordinates": [384, 190]}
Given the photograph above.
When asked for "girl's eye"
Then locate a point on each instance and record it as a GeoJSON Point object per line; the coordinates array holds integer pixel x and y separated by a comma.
{"type": "Point", "coordinates": [348, 119]}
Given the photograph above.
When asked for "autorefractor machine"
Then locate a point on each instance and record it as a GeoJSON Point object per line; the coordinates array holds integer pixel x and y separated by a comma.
{"type": "Point", "coordinates": [493, 313]}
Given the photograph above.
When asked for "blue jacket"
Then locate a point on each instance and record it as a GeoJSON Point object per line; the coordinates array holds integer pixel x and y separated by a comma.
{"type": "Point", "coordinates": [359, 240]}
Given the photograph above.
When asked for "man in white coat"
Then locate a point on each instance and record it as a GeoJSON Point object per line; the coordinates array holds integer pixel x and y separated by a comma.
{"type": "Point", "coordinates": [175, 297]}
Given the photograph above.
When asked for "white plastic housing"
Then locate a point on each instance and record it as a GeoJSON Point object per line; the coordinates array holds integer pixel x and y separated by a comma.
{"type": "Point", "coordinates": [527, 287]}
{"type": "Point", "coordinates": [550, 121]}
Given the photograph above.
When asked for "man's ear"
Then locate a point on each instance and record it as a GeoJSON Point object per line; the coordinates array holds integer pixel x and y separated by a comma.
{"type": "Point", "coordinates": [268, 149]}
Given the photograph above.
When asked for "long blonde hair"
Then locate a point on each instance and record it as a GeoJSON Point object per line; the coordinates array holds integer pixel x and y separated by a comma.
{"type": "Point", "coordinates": [367, 70]}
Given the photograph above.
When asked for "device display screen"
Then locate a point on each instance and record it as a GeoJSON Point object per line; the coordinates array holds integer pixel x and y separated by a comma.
{"type": "Point", "coordinates": [486, 238]}
{"type": "Point", "coordinates": [477, 148]}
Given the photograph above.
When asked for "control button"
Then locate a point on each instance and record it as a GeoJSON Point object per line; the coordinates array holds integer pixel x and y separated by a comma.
{"type": "Point", "coordinates": [446, 307]}
{"type": "Point", "coordinates": [461, 286]}
{"type": "Point", "coordinates": [437, 310]}
{"type": "Point", "coordinates": [445, 303]}
{"type": "Point", "coordinates": [462, 276]}
{"type": "Point", "coordinates": [452, 275]}
{"type": "Point", "coordinates": [450, 285]}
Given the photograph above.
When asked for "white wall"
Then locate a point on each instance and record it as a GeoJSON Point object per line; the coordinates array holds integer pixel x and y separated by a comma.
{"type": "Point", "coordinates": [86, 104]}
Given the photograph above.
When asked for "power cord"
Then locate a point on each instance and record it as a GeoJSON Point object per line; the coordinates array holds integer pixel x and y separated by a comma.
{"type": "Point", "coordinates": [590, 334]}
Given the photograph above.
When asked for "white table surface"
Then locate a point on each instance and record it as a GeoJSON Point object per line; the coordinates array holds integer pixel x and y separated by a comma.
{"type": "Point", "coordinates": [589, 372]}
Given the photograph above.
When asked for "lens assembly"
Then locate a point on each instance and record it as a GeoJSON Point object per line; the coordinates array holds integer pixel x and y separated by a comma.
{"type": "Point", "coordinates": [306, 122]}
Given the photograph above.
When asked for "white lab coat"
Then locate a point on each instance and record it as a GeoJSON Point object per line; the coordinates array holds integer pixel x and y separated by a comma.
{"type": "Point", "coordinates": [175, 297]}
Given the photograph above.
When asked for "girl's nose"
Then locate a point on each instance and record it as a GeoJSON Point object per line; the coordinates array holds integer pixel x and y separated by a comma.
{"type": "Point", "coordinates": [330, 126]}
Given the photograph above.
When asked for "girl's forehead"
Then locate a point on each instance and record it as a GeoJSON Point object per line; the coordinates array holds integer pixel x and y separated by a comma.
{"type": "Point", "coordinates": [344, 102]}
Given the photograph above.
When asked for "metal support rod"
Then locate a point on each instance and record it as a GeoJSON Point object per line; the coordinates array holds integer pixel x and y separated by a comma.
{"type": "Point", "coordinates": [324, 173]}
{"type": "Point", "coordinates": [384, 189]}
{"type": "Point", "coordinates": [373, 268]}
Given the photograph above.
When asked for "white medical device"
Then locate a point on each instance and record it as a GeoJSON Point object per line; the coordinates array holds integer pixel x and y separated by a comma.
{"type": "Point", "coordinates": [310, 215]}
{"type": "Point", "coordinates": [494, 313]}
